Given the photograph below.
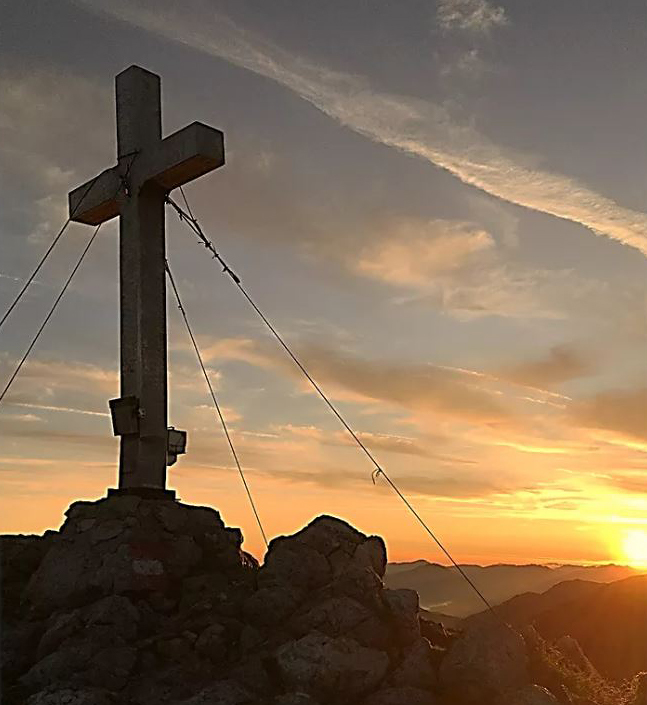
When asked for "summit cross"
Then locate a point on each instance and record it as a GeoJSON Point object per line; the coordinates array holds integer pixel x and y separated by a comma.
{"type": "Point", "coordinates": [148, 168]}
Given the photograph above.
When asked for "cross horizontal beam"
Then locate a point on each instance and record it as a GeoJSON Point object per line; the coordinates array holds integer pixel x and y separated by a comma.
{"type": "Point", "coordinates": [181, 157]}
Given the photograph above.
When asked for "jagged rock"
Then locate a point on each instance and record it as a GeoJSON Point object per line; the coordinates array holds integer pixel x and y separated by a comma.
{"type": "Point", "coordinates": [327, 667]}
{"type": "Point", "coordinates": [417, 667]}
{"type": "Point", "coordinates": [571, 649]}
{"type": "Point", "coordinates": [121, 545]}
{"type": "Point", "coordinates": [403, 607]}
{"type": "Point", "coordinates": [116, 612]}
{"type": "Point", "coordinates": [294, 699]}
{"type": "Point", "coordinates": [436, 632]}
{"type": "Point", "coordinates": [528, 695]}
{"type": "Point", "coordinates": [155, 602]}
{"type": "Point", "coordinates": [161, 603]}
{"type": "Point", "coordinates": [223, 693]}
{"type": "Point", "coordinates": [322, 551]}
{"type": "Point", "coordinates": [640, 697]}
{"type": "Point", "coordinates": [360, 582]}
{"type": "Point", "coordinates": [211, 643]}
{"type": "Point", "coordinates": [295, 564]}
{"type": "Point", "coordinates": [82, 663]}
{"type": "Point", "coordinates": [402, 695]}
{"type": "Point", "coordinates": [20, 556]}
{"type": "Point", "coordinates": [486, 662]}
{"type": "Point", "coordinates": [250, 638]}
{"type": "Point", "coordinates": [270, 606]}
{"type": "Point", "coordinates": [60, 628]}
{"type": "Point", "coordinates": [173, 649]}
{"type": "Point", "coordinates": [72, 697]}
{"type": "Point", "coordinates": [341, 616]}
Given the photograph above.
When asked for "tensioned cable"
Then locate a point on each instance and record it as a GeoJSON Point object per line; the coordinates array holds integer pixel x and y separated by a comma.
{"type": "Point", "coordinates": [195, 226]}
{"type": "Point", "coordinates": [123, 183]}
{"type": "Point", "coordinates": [32, 276]}
{"type": "Point", "coordinates": [215, 402]}
{"type": "Point", "coordinates": [50, 314]}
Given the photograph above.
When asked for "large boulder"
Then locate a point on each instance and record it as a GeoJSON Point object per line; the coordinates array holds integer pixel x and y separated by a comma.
{"type": "Point", "coordinates": [417, 667]}
{"type": "Point", "coordinates": [126, 545]}
{"type": "Point", "coordinates": [403, 608]}
{"type": "Point", "coordinates": [294, 699]}
{"type": "Point", "coordinates": [20, 557]}
{"type": "Point", "coordinates": [327, 549]}
{"type": "Point", "coordinates": [140, 601]}
{"type": "Point", "coordinates": [488, 661]}
{"type": "Point", "coordinates": [528, 695]}
{"type": "Point", "coordinates": [341, 616]}
{"type": "Point", "coordinates": [401, 695]}
{"type": "Point", "coordinates": [226, 692]}
{"type": "Point", "coordinates": [331, 668]}
{"type": "Point", "coordinates": [68, 696]}
{"type": "Point", "coordinates": [640, 697]}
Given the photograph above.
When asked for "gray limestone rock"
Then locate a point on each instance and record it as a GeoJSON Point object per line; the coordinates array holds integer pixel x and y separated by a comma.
{"type": "Point", "coordinates": [226, 692]}
{"type": "Point", "coordinates": [341, 616]}
{"type": "Point", "coordinates": [60, 628]}
{"type": "Point", "coordinates": [211, 643]}
{"type": "Point", "coordinates": [294, 699]}
{"type": "Point", "coordinates": [326, 667]}
{"type": "Point", "coordinates": [487, 661]}
{"type": "Point", "coordinates": [271, 606]}
{"type": "Point", "coordinates": [528, 695]}
{"type": "Point", "coordinates": [570, 648]}
{"type": "Point", "coordinates": [69, 696]}
{"type": "Point", "coordinates": [155, 601]}
{"type": "Point", "coordinates": [122, 545]}
{"type": "Point", "coordinates": [116, 612]}
{"type": "Point", "coordinates": [416, 668]}
{"type": "Point", "coordinates": [640, 697]}
{"type": "Point", "coordinates": [403, 606]}
{"type": "Point", "coordinates": [401, 695]}
{"type": "Point", "coordinates": [295, 564]}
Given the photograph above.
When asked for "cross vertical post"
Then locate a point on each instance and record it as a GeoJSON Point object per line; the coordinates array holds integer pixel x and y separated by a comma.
{"type": "Point", "coordinates": [142, 461]}
{"type": "Point", "coordinates": [148, 167]}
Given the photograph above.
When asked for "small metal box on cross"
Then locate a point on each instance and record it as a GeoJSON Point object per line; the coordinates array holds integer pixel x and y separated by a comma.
{"type": "Point", "coordinates": [148, 167]}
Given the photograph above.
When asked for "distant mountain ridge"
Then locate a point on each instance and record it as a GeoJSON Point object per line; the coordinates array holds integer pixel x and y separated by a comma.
{"type": "Point", "coordinates": [609, 621]}
{"type": "Point", "coordinates": [442, 589]}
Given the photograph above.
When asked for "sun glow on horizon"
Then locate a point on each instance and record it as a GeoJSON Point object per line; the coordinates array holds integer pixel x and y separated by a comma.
{"type": "Point", "coordinates": [634, 546]}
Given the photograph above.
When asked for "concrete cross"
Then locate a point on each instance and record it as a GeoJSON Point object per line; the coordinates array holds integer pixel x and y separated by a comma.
{"type": "Point", "coordinates": [148, 167]}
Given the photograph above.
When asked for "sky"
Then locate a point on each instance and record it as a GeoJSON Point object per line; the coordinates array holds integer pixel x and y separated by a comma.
{"type": "Point", "coordinates": [441, 205]}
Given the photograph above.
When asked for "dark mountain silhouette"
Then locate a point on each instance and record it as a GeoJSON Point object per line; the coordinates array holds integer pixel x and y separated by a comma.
{"type": "Point", "coordinates": [608, 620]}
{"type": "Point", "coordinates": [442, 589]}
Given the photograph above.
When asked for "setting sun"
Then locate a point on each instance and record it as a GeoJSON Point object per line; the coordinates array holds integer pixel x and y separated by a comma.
{"type": "Point", "coordinates": [634, 546]}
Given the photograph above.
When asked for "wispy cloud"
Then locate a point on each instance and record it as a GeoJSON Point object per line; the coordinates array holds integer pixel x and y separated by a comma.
{"type": "Point", "coordinates": [415, 253]}
{"type": "Point", "coordinates": [415, 126]}
{"type": "Point", "coordinates": [64, 409]}
{"type": "Point", "coordinates": [621, 411]}
{"type": "Point", "coordinates": [470, 15]}
{"type": "Point", "coordinates": [460, 269]}
{"type": "Point", "coordinates": [561, 364]}
{"type": "Point", "coordinates": [423, 390]}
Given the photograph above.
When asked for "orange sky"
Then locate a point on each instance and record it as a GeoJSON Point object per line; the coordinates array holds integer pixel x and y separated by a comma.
{"type": "Point", "coordinates": [420, 212]}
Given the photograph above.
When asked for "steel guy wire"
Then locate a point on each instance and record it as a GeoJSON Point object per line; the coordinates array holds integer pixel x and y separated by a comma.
{"type": "Point", "coordinates": [215, 402]}
{"type": "Point", "coordinates": [50, 314]}
{"type": "Point", "coordinates": [191, 221]}
{"type": "Point", "coordinates": [43, 259]}
{"type": "Point", "coordinates": [123, 184]}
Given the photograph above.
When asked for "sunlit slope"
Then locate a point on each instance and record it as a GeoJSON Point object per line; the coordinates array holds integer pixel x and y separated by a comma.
{"type": "Point", "coordinates": [441, 589]}
{"type": "Point", "coordinates": [608, 620]}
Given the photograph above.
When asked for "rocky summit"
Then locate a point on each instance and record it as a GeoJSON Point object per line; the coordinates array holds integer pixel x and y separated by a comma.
{"type": "Point", "coordinates": [140, 602]}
